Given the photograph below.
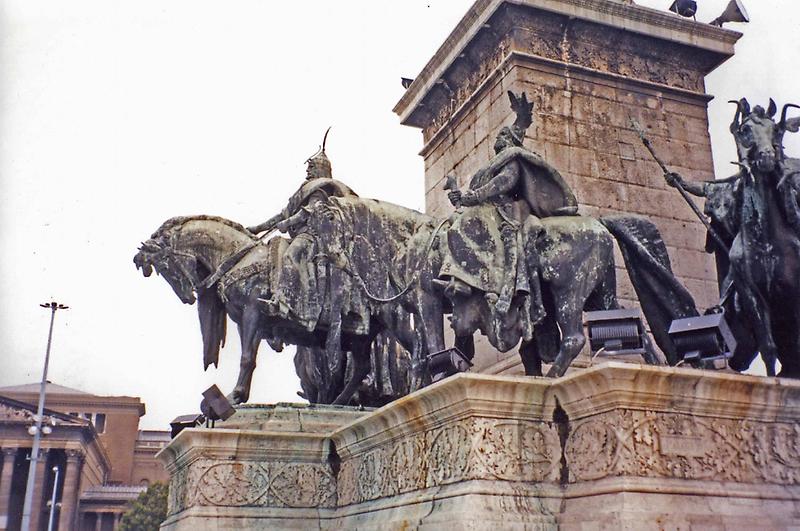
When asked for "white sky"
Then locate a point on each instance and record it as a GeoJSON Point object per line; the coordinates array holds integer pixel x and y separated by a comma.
{"type": "Point", "coordinates": [116, 115]}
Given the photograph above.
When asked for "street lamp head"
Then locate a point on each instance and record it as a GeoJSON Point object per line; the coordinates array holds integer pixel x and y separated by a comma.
{"type": "Point", "coordinates": [54, 305]}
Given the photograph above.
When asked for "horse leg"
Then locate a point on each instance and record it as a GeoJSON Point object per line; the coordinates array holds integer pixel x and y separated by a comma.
{"type": "Point", "coordinates": [604, 296]}
{"type": "Point", "coordinates": [788, 342]}
{"type": "Point", "coordinates": [361, 365]}
{"type": "Point", "coordinates": [466, 344]}
{"type": "Point", "coordinates": [569, 319]}
{"type": "Point", "coordinates": [249, 336]}
{"type": "Point", "coordinates": [756, 309]}
{"type": "Point", "coordinates": [429, 318]}
{"type": "Point", "coordinates": [529, 352]}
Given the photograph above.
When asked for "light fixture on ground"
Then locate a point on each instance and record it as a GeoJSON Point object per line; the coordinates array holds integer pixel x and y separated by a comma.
{"type": "Point", "coordinates": [447, 363]}
{"type": "Point", "coordinates": [704, 342]}
{"type": "Point", "coordinates": [735, 12]}
{"type": "Point", "coordinates": [215, 406]}
{"type": "Point", "coordinates": [685, 8]}
{"type": "Point", "coordinates": [615, 333]}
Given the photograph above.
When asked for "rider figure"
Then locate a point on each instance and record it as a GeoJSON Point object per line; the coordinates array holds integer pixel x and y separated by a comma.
{"type": "Point", "coordinates": [524, 188]}
{"type": "Point", "coordinates": [295, 288]}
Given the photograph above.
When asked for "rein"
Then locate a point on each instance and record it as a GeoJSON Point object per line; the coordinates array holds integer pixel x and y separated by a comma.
{"type": "Point", "coordinates": [227, 264]}
{"type": "Point", "coordinates": [414, 278]}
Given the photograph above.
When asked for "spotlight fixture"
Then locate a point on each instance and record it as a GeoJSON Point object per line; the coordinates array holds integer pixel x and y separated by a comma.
{"type": "Point", "coordinates": [185, 421]}
{"type": "Point", "coordinates": [685, 8]}
{"type": "Point", "coordinates": [447, 363]}
{"type": "Point", "coordinates": [406, 82]}
{"type": "Point", "coordinates": [616, 332]}
{"type": "Point", "coordinates": [215, 406]}
{"type": "Point", "coordinates": [735, 12]}
{"type": "Point", "coordinates": [704, 342]}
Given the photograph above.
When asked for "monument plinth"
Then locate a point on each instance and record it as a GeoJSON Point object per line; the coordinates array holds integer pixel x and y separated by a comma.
{"type": "Point", "coordinates": [589, 66]}
{"type": "Point", "coordinates": [615, 446]}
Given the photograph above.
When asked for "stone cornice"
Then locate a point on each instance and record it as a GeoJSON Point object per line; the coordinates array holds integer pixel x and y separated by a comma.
{"type": "Point", "coordinates": [575, 70]}
{"type": "Point", "coordinates": [636, 19]}
{"type": "Point", "coordinates": [672, 389]}
{"type": "Point", "coordinates": [459, 397]}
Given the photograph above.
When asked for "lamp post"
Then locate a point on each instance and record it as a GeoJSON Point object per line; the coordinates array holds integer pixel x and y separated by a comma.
{"type": "Point", "coordinates": [37, 431]}
{"type": "Point", "coordinates": [53, 501]}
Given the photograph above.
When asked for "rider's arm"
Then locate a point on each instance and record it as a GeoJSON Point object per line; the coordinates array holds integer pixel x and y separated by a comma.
{"type": "Point", "coordinates": [693, 187]}
{"type": "Point", "coordinates": [502, 183]}
{"type": "Point", "coordinates": [298, 218]}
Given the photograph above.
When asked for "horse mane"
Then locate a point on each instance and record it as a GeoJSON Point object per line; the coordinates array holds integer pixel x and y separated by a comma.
{"type": "Point", "coordinates": [179, 221]}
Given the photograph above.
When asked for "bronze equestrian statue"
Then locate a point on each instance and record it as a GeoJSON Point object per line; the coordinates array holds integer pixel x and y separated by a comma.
{"type": "Point", "coordinates": [514, 263]}
{"type": "Point", "coordinates": [756, 215]}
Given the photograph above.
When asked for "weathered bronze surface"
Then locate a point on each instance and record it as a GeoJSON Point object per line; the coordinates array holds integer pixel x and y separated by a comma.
{"type": "Point", "coordinates": [756, 214]}
{"type": "Point", "coordinates": [362, 285]}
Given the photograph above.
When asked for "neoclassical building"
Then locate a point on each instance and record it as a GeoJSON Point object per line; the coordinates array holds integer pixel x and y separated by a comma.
{"type": "Point", "coordinates": [104, 461]}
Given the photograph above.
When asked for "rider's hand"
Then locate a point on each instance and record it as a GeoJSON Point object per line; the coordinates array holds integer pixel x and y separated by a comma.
{"type": "Point", "coordinates": [673, 179]}
{"type": "Point", "coordinates": [455, 197]}
{"type": "Point", "coordinates": [282, 226]}
{"type": "Point", "coordinates": [469, 198]}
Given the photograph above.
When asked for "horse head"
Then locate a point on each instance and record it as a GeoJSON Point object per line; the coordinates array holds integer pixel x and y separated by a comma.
{"type": "Point", "coordinates": [178, 268]}
{"type": "Point", "coordinates": [175, 268]}
{"type": "Point", "coordinates": [759, 138]}
{"type": "Point", "coordinates": [474, 310]}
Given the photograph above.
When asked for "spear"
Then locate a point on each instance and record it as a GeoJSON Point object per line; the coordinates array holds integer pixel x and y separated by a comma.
{"type": "Point", "coordinates": [681, 189]}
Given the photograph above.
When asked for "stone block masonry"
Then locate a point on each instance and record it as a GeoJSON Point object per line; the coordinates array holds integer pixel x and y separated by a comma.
{"type": "Point", "coordinates": [590, 66]}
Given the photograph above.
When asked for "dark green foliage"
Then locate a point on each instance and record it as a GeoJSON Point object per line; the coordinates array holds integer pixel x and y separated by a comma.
{"type": "Point", "coordinates": [148, 511]}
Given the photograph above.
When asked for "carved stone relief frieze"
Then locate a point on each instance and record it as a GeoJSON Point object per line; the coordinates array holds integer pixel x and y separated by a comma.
{"type": "Point", "coordinates": [671, 445]}
{"type": "Point", "coordinates": [475, 448]}
{"type": "Point", "coordinates": [222, 483]}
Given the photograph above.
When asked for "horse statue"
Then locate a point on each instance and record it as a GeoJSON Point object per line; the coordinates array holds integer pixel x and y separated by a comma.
{"type": "Point", "coordinates": [228, 271]}
{"type": "Point", "coordinates": [756, 215]}
{"type": "Point", "coordinates": [574, 258]}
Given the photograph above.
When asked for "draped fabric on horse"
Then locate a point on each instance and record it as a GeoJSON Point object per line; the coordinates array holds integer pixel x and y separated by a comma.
{"type": "Point", "coordinates": [367, 240]}
{"type": "Point", "coordinates": [213, 325]}
{"type": "Point", "coordinates": [475, 255]}
{"type": "Point", "coordinates": [662, 297]}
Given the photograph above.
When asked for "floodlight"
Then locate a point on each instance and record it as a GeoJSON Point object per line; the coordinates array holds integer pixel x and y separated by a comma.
{"type": "Point", "coordinates": [215, 406]}
{"type": "Point", "coordinates": [685, 8]}
{"type": "Point", "coordinates": [447, 363]}
{"type": "Point", "coordinates": [616, 332]}
{"type": "Point", "coordinates": [704, 342]}
{"type": "Point", "coordinates": [735, 12]}
{"type": "Point", "coordinates": [185, 421]}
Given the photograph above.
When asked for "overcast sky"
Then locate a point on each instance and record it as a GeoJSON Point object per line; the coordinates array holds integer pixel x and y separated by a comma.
{"type": "Point", "coordinates": [115, 116]}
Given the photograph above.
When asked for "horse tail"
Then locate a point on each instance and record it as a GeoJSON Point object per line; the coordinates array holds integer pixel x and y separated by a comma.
{"type": "Point", "coordinates": [662, 297]}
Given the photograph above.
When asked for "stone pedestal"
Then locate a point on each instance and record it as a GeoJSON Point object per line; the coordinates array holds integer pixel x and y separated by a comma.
{"type": "Point", "coordinates": [267, 467]}
{"type": "Point", "coordinates": [615, 446]}
{"type": "Point", "coordinates": [589, 66]}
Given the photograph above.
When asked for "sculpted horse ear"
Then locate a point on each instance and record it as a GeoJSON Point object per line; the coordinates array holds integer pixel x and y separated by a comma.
{"type": "Point", "coordinates": [792, 124]}
{"type": "Point", "coordinates": [773, 108]}
{"type": "Point", "coordinates": [742, 112]}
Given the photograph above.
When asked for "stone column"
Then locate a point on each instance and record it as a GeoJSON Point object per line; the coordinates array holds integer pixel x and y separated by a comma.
{"type": "Point", "coordinates": [6, 474]}
{"type": "Point", "coordinates": [38, 505]}
{"type": "Point", "coordinates": [69, 497]}
{"type": "Point", "coordinates": [98, 524]}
